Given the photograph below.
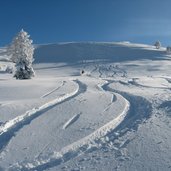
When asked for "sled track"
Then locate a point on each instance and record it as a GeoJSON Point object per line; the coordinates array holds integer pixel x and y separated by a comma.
{"type": "Point", "coordinates": [74, 149]}
{"type": "Point", "coordinates": [8, 129]}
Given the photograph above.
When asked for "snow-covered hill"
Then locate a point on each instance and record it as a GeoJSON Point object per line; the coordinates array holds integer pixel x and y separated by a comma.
{"type": "Point", "coordinates": [74, 52]}
{"type": "Point", "coordinates": [115, 116]}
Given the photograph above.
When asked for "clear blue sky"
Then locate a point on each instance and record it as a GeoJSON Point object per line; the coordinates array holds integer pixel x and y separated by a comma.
{"type": "Point", "coordinates": [50, 21]}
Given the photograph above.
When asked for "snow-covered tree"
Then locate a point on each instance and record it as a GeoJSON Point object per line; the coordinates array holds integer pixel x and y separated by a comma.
{"type": "Point", "coordinates": [21, 50]}
{"type": "Point", "coordinates": [157, 44]}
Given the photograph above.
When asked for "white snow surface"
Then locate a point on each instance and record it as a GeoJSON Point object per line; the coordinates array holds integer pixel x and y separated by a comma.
{"type": "Point", "coordinates": [115, 116]}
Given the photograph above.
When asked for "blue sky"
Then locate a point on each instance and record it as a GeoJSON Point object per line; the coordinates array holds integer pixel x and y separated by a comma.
{"type": "Point", "coordinates": [50, 21]}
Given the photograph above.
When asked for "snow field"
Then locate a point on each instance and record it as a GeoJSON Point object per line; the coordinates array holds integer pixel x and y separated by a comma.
{"type": "Point", "coordinates": [116, 116]}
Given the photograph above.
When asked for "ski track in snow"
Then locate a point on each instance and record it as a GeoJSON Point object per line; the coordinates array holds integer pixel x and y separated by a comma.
{"type": "Point", "coordinates": [8, 129]}
{"type": "Point", "coordinates": [77, 147]}
{"type": "Point", "coordinates": [129, 119]}
{"type": "Point", "coordinates": [109, 71]}
{"type": "Point", "coordinates": [137, 110]}
{"type": "Point", "coordinates": [135, 83]}
{"type": "Point", "coordinates": [4, 104]}
{"type": "Point", "coordinates": [71, 121]}
{"type": "Point", "coordinates": [167, 79]}
{"type": "Point", "coordinates": [113, 98]}
{"type": "Point", "coordinates": [140, 109]}
{"type": "Point", "coordinates": [57, 88]}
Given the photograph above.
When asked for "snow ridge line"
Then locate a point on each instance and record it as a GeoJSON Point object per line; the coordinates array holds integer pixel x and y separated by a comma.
{"type": "Point", "coordinates": [75, 148]}
{"type": "Point", "coordinates": [19, 120]}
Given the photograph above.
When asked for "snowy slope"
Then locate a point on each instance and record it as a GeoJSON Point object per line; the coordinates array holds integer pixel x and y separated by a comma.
{"type": "Point", "coordinates": [116, 116]}
{"type": "Point", "coordinates": [75, 52]}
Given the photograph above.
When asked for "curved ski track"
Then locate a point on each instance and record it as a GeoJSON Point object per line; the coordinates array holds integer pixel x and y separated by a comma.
{"type": "Point", "coordinates": [77, 147]}
{"type": "Point", "coordinates": [140, 109]}
{"type": "Point", "coordinates": [55, 89]}
{"type": "Point", "coordinates": [135, 83]}
{"type": "Point", "coordinates": [137, 109]}
{"type": "Point", "coordinates": [8, 129]}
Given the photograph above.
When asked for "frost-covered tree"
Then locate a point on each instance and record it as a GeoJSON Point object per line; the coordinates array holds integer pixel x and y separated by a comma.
{"type": "Point", "coordinates": [21, 51]}
{"type": "Point", "coordinates": [157, 44]}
